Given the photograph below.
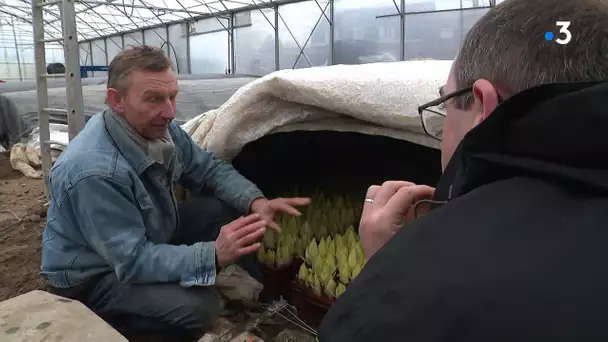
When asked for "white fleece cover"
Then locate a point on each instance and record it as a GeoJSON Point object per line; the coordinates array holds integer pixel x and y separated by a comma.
{"type": "Point", "coordinates": [378, 99]}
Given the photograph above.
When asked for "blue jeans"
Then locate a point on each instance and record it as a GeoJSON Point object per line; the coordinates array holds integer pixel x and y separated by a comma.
{"type": "Point", "coordinates": [166, 306]}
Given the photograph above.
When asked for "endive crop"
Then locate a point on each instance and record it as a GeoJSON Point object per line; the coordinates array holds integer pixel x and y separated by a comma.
{"type": "Point", "coordinates": [332, 263]}
{"type": "Point", "coordinates": [325, 217]}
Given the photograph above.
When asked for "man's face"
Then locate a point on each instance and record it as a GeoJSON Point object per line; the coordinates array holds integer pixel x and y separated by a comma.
{"type": "Point", "coordinates": [149, 102]}
{"type": "Point", "coordinates": [459, 122]}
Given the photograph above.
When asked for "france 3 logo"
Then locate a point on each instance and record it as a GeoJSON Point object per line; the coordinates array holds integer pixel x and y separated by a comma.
{"type": "Point", "coordinates": [564, 35]}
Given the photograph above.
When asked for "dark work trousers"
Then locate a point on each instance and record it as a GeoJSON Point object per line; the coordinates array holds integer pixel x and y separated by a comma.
{"type": "Point", "coordinates": [167, 306]}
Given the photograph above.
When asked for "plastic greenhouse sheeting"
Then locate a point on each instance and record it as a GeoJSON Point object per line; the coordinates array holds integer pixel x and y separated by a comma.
{"type": "Point", "coordinates": [13, 125]}
{"type": "Point", "coordinates": [14, 86]}
{"type": "Point", "coordinates": [377, 99]}
{"type": "Point", "coordinates": [19, 110]}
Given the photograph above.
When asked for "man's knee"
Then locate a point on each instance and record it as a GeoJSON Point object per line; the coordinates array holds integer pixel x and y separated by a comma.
{"type": "Point", "coordinates": [154, 306]}
{"type": "Point", "coordinates": [197, 310]}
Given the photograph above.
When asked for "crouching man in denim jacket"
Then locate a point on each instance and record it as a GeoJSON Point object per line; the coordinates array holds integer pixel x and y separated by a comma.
{"type": "Point", "coordinates": [117, 240]}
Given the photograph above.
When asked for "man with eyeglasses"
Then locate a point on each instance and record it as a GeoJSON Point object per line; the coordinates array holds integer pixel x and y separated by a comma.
{"type": "Point", "coordinates": [511, 245]}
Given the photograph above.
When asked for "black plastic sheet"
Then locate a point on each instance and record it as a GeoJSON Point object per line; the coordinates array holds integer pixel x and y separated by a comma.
{"type": "Point", "coordinates": [15, 123]}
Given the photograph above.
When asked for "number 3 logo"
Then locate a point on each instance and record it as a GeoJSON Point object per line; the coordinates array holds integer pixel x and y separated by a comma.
{"type": "Point", "coordinates": [564, 30]}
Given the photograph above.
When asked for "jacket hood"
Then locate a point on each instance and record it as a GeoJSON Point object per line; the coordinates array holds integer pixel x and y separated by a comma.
{"type": "Point", "coordinates": [553, 132]}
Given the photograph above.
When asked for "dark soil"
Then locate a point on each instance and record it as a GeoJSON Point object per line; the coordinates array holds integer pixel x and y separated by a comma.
{"type": "Point", "coordinates": [22, 219]}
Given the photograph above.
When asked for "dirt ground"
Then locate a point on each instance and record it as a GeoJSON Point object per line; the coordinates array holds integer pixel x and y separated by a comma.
{"type": "Point", "coordinates": [22, 219]}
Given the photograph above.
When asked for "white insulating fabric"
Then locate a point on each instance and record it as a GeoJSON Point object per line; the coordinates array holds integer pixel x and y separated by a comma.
{"type": "Point", "coordinates": [377, 99]}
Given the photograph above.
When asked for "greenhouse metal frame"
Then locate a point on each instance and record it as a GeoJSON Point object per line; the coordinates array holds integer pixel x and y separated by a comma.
{"type": "Point", "coordinates": [75, 26]}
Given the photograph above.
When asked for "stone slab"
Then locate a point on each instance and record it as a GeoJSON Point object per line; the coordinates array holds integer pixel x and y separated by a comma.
{"type": "Point", "coordinates": [40, 316]}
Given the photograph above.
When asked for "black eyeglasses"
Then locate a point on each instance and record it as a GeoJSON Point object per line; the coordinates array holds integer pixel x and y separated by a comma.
{"type": "Point", "coordinates": [432, 114]}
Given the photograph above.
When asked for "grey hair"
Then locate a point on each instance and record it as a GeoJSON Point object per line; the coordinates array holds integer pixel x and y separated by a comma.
{"type": "Point", "coordinates": [507, 46]}
{"type": "Point", "coordinates": [136, 58]}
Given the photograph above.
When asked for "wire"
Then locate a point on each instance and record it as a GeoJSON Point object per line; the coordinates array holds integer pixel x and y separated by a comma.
{"type": "Point", "coordinates": [12, 224]}
{"type": "Point", "coordinates": [174, 53]}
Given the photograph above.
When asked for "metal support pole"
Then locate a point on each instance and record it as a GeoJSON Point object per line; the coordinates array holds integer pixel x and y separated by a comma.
{"type": "Point", "coordinates": [42, 94]}
{"type": "Point", "coordinates": [189, 60]}
{"type": "Point", "coordinates": [231, 44]}
{"type": "Point", "coordinates": [17, 49]}
{"type": "Point", "coordinates": [92, 59]}
{"type": "Point", "coordinates": [73, 82]}
{"type": "Point", "coordinates": [332, 55]}
{"type": "Point", "coordinates": [89, 53]}
{"type": "Point", "coordinates": [277, 45]}
{"type": "Point", "coordinates": [402, 33]}
{"type": "Point", "coordinates": [168, 43]}
{"type": "Point", "coordinates": [105, 46]}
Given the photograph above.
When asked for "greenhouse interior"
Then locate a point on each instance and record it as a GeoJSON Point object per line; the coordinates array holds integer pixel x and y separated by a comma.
{"type": "Point", "coordinates": [266, 85]}
{"type": "Point", "coordinates": [244, 37]}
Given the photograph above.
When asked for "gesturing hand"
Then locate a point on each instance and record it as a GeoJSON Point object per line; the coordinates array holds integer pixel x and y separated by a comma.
{"type": "Point", "coordinates": [268, 208]}
{"type": "Point", "coordinates": [239, 237]}
{"type": "Point", "coordinates": [386, 209]}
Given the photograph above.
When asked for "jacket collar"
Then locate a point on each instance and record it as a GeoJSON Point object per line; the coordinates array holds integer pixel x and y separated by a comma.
{"type": "Point", "coordinates": [552, 132]}
{"type": "Point", "coordinates": [128, 148]}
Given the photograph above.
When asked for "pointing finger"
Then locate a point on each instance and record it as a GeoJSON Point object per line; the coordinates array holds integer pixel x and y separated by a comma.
{"type": "Point", "coordinates": [273, 225]}
{"type": "Point", "coordinates": [296, 201]}
{"type": "Point", "coordinates": [286, 208]}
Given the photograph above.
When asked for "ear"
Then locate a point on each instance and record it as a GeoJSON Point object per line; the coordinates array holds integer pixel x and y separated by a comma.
{"type": "Point", "coordinates": [486, 99]}
{"type": "Point", "coordinates": [115, 100]}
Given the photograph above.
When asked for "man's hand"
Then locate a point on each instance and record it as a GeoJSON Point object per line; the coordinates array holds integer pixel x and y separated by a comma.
{"type": "Point", "coordinates": [386, 209]}
{"type": "Point", "coordinates": [268, 208]}
{"type": "Point", "coordinates": [239, 237]}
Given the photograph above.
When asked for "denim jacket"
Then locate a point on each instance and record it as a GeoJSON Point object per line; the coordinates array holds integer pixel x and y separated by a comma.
{"type": "Point", "coordinates": [113, 209]}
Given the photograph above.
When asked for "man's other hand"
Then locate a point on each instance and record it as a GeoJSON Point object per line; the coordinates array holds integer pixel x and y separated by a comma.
{"type": "Point", "coordinates": [386, 209]}
{"type": "Point", "coordinates": [239, 237]}
{"type": "Point", "coordinates": [269, 208]}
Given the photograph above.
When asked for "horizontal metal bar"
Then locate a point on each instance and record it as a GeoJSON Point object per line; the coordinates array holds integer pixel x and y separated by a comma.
{"type": "Point", "coordinates": [209, 32]}
{"type": "Point", "coordinates": [48, 3]}
{"type": "Point", "coordinates": [52, 75]}
{"type": "Point", "coordinates": [155, 8]}
{"type": "Point", "coordinates": [55, 110]}
{"type": "Point", "coordinates": [54, 40]}
{"type": "Point", "coordinates": [55, 142]}
{"type": "Point", "coordinates": [435, 11]}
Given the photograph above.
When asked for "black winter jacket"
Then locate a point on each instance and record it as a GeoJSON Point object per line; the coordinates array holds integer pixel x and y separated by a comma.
{"type": "Point", "coordinates": [520, 251]}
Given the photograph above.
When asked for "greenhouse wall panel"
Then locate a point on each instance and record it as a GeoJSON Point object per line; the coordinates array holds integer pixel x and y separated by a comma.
{"type": "Point", "coordinates": [304, 32]}
{"type": "Point", "coordinates": [209, 53]}
{"type": "Point", "coordinates": [366, 35]}
{"type": "Point", "coordinates": [178, 48]}
{"type": "Point", "coordinates": [86, 58]}
{"type": "Point", "coordinates": [99, 56]}
{"type": "Point", "coordinates": [114, 46]}
{"type": "Point", "coordinates": [254, 42]}
{"type": "Point", "coordinates": [157, 37]}
{"type": "Point", "coordinates": [133, 39]}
